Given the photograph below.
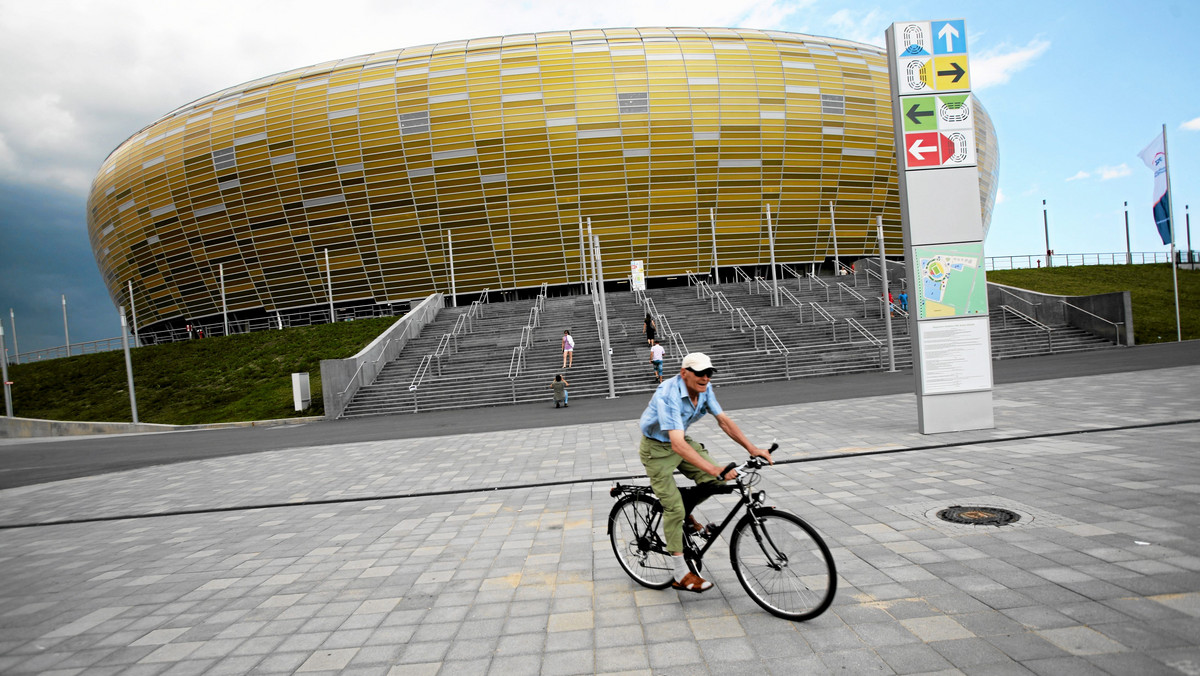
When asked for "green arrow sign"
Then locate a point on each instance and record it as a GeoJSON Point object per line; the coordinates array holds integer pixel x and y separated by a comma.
{"type": "Point", "coordinates": [919, 113]}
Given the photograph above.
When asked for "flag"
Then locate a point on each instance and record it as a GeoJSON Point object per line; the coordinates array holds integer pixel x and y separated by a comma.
{"type": "Point", "coordinates": [1155, 157]}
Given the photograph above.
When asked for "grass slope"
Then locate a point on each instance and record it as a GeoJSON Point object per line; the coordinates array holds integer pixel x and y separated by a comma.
{"type": "Point", "coordinates": [1150, 289]}
{"type": "Point", "coordinates": [234, 378]}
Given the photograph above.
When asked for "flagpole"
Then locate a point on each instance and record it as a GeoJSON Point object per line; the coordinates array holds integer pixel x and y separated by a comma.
{"type": "Point", "coordinates": [1171, 224]}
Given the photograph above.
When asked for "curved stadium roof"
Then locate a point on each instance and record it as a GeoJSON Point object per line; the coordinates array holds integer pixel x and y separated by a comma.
{"type": "Point", "coordinates": [502, 145]}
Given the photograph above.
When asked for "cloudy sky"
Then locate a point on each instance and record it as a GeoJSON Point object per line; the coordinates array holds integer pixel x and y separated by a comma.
{"type": "Point", "coordinates": [1076, 88]}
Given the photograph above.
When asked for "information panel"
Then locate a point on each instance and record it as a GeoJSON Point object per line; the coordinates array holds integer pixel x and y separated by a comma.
{"type": "Point", "coordinates": [951, 280]}
{"type": "Point", "coordinates": [955, 356]}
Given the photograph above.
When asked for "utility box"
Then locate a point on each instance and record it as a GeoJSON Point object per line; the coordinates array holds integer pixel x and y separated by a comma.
{"type": "Point", "coordinates": [301, 393]}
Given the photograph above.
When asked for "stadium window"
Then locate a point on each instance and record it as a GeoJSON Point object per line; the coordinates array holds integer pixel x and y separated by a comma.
{"type": "Point", "coordinates": [833, 104]}
{"type": "Point", "coordinates": [633, 102]}
{"type": "Point", "coordinates": [414, 123]}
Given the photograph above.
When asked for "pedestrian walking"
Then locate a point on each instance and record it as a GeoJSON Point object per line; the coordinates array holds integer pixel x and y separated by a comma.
{"type": "Point", "coordinates": [568, 348]}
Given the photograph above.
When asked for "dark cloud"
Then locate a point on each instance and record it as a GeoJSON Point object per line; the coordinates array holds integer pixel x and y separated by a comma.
{"type": "Point", "coordinates": [45, 253]}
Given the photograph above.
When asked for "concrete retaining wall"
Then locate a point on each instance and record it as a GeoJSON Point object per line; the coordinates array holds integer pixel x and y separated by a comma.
{"type": "Point", "coordinates": [341, 378]}
{"type": "Point", "coordinates": [23, 428]}
{"type": "Point", "coordinates": [1116, 307]}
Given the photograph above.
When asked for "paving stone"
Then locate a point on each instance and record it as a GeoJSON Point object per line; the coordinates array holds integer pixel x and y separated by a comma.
{"type": "Point", "coordinates": [523, 580]}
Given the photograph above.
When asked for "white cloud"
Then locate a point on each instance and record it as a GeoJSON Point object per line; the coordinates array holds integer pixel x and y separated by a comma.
{"type": "Point", "coordinates": [1109, 173]}
{"type": "Point", "coordinates": [1191, 125]}
{"type": "Point", "coordinates": [1104, 173]}
{"type": "Point", "coordinates": [79, 77]}
{"type": "Point", "coordinates": [996, 66]}
{"type": "Point", "coordinates": [1001, 198]}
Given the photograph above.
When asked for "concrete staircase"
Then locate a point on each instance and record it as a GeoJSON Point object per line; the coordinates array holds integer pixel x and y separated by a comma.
{"type": "Point", "coordinates": [478, 369]}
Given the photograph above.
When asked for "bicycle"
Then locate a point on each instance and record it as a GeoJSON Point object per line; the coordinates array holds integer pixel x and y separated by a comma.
{"type": "Point", "coordinates": [780, 560]}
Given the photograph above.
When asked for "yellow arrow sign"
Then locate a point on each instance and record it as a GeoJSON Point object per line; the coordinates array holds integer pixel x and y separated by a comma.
{"type": "Point", "coordinates": [951, 73]}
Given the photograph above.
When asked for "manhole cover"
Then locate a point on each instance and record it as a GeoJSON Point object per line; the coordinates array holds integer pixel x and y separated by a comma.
{"type": "Point", "coordinates": [979, 516]}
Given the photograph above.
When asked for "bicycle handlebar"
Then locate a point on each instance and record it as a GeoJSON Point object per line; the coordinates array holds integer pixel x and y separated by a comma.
{"type": "Point", "coordinates": [752, 463]}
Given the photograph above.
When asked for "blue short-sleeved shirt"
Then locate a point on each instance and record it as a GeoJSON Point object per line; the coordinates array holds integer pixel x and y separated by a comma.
{"type": "Point", "coordinates": [671, 409]}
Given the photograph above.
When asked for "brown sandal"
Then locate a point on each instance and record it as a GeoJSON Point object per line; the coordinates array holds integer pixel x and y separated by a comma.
{"type": "Point", "coordinates": [692, 583]}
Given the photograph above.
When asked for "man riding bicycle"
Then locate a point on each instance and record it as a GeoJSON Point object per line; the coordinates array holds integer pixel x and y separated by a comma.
{"type": "Point", "coordinates": [677, 403]}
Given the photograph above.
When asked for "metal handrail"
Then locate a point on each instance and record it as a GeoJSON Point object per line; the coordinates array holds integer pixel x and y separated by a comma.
{"type": "Point", "coordinates": [664, 326]}
{"type": "Point", "coordinates": [1006, 292]}
{"type": "Point", "coordinates": [720, 301]}
{"type": "Point", "coordinates": [442, 346]}
{"type": "Point", "coordinates": [741, 320]}
{"type": "Point", "coordinates": [792, 271]}
{"type": "Point", "coordinates": [463, 320]}
{"type": "Point", "coordinates": [419, 376]}
{"type": "Point", "coordinates": [849, 270]}
{"type": "Point", "coordinates": [853, 325]}
{"type": "Point", "coordinates": [824, 315]}
{"type": "Point", "coordinates": [535, 318]}
{"type": "Point", "coordinates": [853, 294]}
{"type": "Point", "coordinates": [759, 283]}
{"type": "Point", "coordinates": [739, 274]}
{"type": "Point", "coordinates": [1116, 325]}
{"type": "Point", "coordinates": [769, 335]}
{"type": "Point", "coordinates": [651, 309]}
{"type": "Point", "coordinates": [896, 312]}
{"type": "Point", "coordinates": [484, 295]}
{"type": "Point", "coordinates": [516, 362]}
{"type": "Point", "coordinates": [820, 282]}
{"type": "Point", "coordinates": [704, 290]}
{"type": "Point", "coordinates": [678, 347]}
{"type": "Point", "coordinates": [526, 337]}
{"type": "Point", "coordinates": [1008, 309]}
{"type": "Point", "coordinates": [692, 278]}
{"type": "Point", "coordinates": [773, 339]}
{"type": "Point", "coordinates": [799, 305]}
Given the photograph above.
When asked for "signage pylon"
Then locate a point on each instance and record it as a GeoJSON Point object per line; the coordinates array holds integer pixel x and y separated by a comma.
{"type": "Point", "coordinates": [934, 119]}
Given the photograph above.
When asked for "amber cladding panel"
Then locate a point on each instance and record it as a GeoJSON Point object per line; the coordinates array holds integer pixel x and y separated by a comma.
{"type": "Point", "coordinates": [495, 151]}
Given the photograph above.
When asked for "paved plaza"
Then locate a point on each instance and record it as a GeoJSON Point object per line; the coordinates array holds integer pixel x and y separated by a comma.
{"type": "Point", "coordinates": [487, 553]}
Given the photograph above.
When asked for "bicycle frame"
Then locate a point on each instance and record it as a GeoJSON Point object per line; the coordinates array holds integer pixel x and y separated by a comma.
{"type": "Point", "coordinates": [745, 500]}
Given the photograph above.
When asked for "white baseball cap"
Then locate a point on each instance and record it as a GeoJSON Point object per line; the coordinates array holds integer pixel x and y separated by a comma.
{"type": "Point", "coordinates": [698, 361]}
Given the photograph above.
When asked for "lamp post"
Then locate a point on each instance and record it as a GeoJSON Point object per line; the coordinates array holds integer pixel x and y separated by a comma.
{"type": "Point", "coordinates": [12, 321]}
{"type": "Point", "coordinates": [1128, 250]}
{"type": "Point", "coordinates": [129, 365]}
{"type": "Point", "coordinates": [1046, 226]}
{"type": "Point", "coordinates": [329, 288]}
{"type": "Point", "coordinates": [66, 331]}
{"type": "Point", "coordinates": [8, 411]}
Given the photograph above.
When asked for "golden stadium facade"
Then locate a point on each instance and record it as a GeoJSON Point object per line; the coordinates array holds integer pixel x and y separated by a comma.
{"type": "Point", "coordinates": [491, 152]}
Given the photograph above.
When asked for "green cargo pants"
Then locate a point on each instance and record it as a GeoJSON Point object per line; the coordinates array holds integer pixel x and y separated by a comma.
{"type": "Point", "coordinates": [660, 462]}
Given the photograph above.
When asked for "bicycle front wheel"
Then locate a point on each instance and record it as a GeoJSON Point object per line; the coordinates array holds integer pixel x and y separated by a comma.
{"type": "Point", "coordinates": [783, 564]}
{"type": "Point", "coordinates": [633, 529]}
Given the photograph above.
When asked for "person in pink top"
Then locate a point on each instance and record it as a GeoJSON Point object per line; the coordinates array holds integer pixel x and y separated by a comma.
{"type": "Point", "coordinates": [568, 346]}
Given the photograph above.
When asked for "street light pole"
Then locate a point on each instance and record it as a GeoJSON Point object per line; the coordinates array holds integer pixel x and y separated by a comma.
{"type": "Point", "coordinates": [1046, 226]}
{"type": "Point", "coordinates": [1187, 219]}
{"type": "Point", "coordinates": [66, 331]}
{"type": "Point", "coordinates": [712, 218]}
{"type": "Point", "coordinates": [12, 321]}
{"type": "Point", "coordinates": [1128, 249]}
{"type": "Point", "coordinates": [128, 365]}
{"type": "Point", "coordinates": [329, 288]}
{"type": "Point", "coordinates": [8, 411]}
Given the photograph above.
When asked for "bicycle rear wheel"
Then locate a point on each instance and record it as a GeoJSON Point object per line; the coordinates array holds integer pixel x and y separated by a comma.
{"type": "Point", "coordinates": [633, 529]}
{"type": "Point", "coordinates": [783, 564]}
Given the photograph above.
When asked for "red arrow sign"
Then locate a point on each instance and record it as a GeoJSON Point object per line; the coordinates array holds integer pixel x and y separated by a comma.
{"type": "Point", "coordinates": [922, 149]}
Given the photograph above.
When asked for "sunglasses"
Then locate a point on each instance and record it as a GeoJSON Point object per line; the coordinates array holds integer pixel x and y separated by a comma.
{"type": "Point", "coordinates": [706, 373]}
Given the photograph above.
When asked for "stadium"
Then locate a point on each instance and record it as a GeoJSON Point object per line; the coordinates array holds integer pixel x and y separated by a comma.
{"type": "Point", "coordinates": [472, 165]}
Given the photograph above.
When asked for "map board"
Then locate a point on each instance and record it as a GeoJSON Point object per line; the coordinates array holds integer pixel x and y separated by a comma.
{"type": "Point", "coordinates": [952, 281]}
